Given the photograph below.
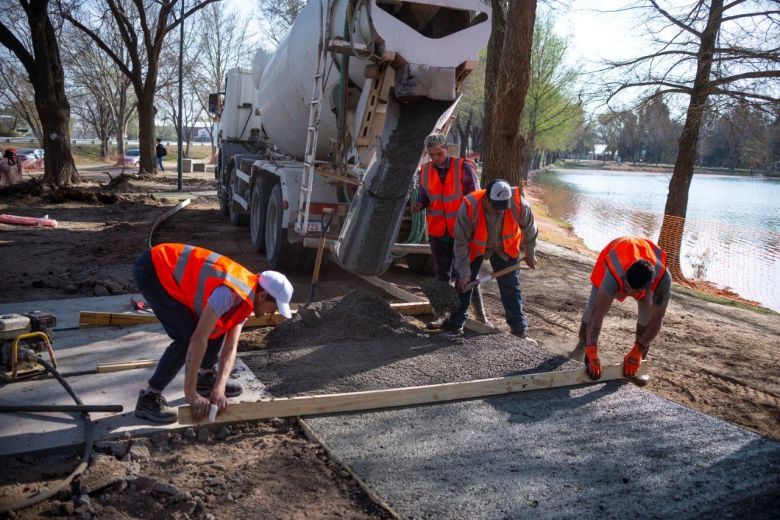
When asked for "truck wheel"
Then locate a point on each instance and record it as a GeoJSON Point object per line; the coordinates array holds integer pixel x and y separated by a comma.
{"type": "Point", "coordinates": [257, 211]}
{"type": "Point", "coordinates": [224, 201]}
{"type": "Point", "coordinates": [280, 252]}
{"type": "Point", "coordinates": [420, 264]}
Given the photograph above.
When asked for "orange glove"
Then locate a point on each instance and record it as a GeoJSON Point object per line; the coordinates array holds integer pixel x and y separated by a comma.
{"type": "Point", "coordinates": [633, 360]}
{"type": "Point", "coordinates": [592, 363]}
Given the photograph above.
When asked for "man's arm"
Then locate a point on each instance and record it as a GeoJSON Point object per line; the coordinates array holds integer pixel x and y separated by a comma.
{"type": "Point", "coordinates": [530, 232]}
{"type": "Point", "coordinates": [227, 357]}
{"type": "Point", "coordinates": [463, 234]}
{"type": "Point", "coordinates": [653, 327]}
{"type": "Point", "coordinates": [195, 352]}
{"type": "Point", "coordinates": [597, 314]}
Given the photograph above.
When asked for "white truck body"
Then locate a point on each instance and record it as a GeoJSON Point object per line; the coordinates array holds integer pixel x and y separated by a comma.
{"type": "Point", "coordinates": [399, 52]}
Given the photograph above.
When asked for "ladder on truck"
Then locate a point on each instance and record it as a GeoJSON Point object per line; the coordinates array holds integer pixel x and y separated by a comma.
{"type": "Point", "coordinates": [312, 130]}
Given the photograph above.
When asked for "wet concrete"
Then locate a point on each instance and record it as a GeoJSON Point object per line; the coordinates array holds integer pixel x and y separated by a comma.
{"type": "Point", "coordinates": [442, 295]}
{"type": "Point", "coordinates": [602, 450]}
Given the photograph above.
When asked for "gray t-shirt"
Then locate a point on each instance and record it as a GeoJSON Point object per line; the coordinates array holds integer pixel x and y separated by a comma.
{"type": "Point", "coordinates": [223, 299]}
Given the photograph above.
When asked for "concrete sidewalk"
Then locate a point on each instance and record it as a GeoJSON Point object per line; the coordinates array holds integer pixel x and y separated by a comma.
{"type": "Point", "coordinates": [82, 349]}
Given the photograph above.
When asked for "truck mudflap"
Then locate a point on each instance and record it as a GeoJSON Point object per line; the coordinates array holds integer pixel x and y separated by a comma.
{"type": "Point", "coordinates": [374, 217]}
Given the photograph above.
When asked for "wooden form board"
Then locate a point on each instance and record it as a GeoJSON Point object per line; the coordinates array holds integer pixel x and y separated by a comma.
{"type": "Point", "coordinates": [126, 365]}
{"type": "Point", "coordinates": [401, 294]}
{"type": "Point", "coordinates": [124, 319]}
{"type": "Point", "coordinates": [413, 395]}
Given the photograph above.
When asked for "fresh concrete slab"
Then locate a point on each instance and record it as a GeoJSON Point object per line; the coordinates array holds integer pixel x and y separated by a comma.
{"type": "Point", "coordinates": [67, 310]}
{"type": "Point", "coordinates": [602, 451]}
{"type": "Point", "coordinates": [80, 350]}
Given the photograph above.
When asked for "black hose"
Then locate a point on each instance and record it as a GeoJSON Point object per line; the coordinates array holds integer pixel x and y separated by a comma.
{"type": "Point", "coordinates": [89, 438]}
{"type": "Point", "coordinates": [61, 408]}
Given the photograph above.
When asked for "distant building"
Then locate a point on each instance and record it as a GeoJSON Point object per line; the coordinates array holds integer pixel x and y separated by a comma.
{"type": "Point", "coordinates": [6, 123]}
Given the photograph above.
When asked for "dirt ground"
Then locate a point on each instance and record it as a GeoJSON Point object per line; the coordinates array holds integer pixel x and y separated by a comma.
{"type": "Point", "coordinates": [715, 358]}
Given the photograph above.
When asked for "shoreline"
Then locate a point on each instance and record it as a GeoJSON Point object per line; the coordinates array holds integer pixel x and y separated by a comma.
{"type": "Point", "coordinates": [590, 164]}
{"type": "Point", "coordinates": [559, 232]}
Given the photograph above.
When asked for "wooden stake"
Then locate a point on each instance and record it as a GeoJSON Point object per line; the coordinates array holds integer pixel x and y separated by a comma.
{"type": "Point", "coordinates": [414, 395]}
{"type": "Point", "coordinates": [126, 365]}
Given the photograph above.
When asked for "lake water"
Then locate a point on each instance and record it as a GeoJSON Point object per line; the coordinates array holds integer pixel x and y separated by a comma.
{"type": "Point", "coordinates": [732, 230]}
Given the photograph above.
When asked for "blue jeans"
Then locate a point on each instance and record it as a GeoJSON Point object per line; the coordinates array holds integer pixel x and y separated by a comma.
{"type": "Point", "coordinates": [159, 164]}
{"type": "Point", "coordinates": [177, 320]}
{"type": "Point", "coordinates": [508, 287]}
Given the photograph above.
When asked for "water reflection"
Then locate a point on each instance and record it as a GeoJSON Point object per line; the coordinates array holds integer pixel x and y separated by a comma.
{"type": "Point", "coordinates": [732, 233]}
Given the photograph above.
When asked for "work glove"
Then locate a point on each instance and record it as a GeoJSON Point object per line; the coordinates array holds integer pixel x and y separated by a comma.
{"type": "Point", "coordinates": [592, 363]}
{"type": "Point", "coordinates": [633, 360]}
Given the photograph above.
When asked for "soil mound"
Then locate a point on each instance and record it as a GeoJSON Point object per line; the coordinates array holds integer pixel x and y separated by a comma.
{"type": "Point", "coordinates": [358, 316]}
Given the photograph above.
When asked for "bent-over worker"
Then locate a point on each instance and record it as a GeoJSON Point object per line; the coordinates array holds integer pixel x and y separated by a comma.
{"type": "Point", "coordinates": [627, 266]}
{"type": "Point", "coordinates": [496, 224]}
{"type": "Point", "coordinates": [444, 180]}
{"type": "Point", "coordinates": [202, 300]}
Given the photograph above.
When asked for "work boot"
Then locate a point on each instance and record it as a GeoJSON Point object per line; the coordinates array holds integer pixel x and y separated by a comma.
{"type": "Point", "coordinates": [437, 321]}
{"type": "Point", "coordinates": [451, 330]}
{"type": "Point", "coordinates": [154, 407]}
{"type": "Point", "coordinates": [206, 383]}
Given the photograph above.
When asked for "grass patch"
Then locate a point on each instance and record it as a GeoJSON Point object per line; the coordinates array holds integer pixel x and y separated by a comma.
{"type": "Point", "coordinates": [721, 300]}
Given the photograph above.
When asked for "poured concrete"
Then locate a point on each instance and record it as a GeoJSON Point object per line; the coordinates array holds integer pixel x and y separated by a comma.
{"type": "Point", "coordinates": [602, 450]}
{"type": "Point", "coordinates": [83, 349]}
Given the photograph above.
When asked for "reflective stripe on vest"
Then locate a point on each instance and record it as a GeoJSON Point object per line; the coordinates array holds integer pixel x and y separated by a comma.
{"type": "Point", "coordinates": [511, 235]}
{"type": "Point", "coordinates": [444, 198]}
{"type": "Point", "coordinates": [631, 250]}
{"type": "Point", "coordinates": [213, 270]}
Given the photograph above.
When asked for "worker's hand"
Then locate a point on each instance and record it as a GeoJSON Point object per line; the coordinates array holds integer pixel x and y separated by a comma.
{"type": "Point", "coordinates": [463, 281]}
{"type": "Point", "coordinates": [417, 207]}
{"type": "Point", "coordinates": [200, 405]}
{"type": "Point", "coordinates": [633, 360]}
{"type": "Point", "coordinates": [592, 363]}
{"type": "Point", "coordinates": [530, 259]}
{"type": "Point", "coordinates": [218, 398]}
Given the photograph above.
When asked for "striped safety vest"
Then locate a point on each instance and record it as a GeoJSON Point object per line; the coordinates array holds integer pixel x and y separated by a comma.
{"type": "Point", "coordinates": [190, 274]}
{"type": "Point", "coordinates": [511, 235]}
{"type": "Point", "coordinates": [445, 198]}
{"type": "Point", "coordinates": [618, 257]}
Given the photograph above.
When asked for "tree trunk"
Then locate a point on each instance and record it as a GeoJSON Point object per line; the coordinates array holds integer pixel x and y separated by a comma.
{"type": "Point", "coordinates": [146, 137]}
{"type": "Point", "coordinates": [530, 144]}
{"type": "Point", "coordinates": [670, 239]}
{"type": "Point", "coordinates": [51, 102]}
{"type": "Point", "coordinates": [506, 148]}
{"type": "Point", "coordinates": [121, 118]}
{"type": "Point", "coordinates": [495, 44]}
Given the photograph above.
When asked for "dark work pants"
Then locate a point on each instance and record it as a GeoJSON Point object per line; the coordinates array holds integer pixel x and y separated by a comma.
{"type": "Point", "coordinates": [177, 320]}
{"type": "Point", "coordinates": [508, 287]}
{"type": "Point", "coordinates": [443, 256]}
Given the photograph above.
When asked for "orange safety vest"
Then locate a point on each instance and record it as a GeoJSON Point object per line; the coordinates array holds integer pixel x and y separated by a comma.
{"type": "Point", "coordinates": [620, 254]}
{"type": "Point", "coordinates": [511, 235]}
{"type": "Point", "coordinates": [445, 198]}
{"type": "Point", "coordinates": [190, 274]}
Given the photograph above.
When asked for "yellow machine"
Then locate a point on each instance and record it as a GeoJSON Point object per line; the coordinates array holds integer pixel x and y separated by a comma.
{"type": "Point", "coordinates": [22, 338]}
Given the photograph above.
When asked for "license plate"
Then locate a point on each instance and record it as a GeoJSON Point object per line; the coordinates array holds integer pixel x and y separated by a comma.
{"type": "Point", "coordinates": [314, 226]}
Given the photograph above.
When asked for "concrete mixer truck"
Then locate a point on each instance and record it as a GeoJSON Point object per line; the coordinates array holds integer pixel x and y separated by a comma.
{"type": "Point", "coordinates": [336, 117]}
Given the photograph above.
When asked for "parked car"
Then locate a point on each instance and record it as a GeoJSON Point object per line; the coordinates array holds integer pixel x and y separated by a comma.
{"type": "Point", "coordinates": [27, 154]}
{"type": "Point", "coordinates": [132, 157]}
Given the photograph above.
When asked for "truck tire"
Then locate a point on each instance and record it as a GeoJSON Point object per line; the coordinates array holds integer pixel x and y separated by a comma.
{"type": "Point", "coordinates": [281, 254]}
{"type": "Point", "coordinates": [261, 191]}
{"type": "Point", "coordinates": [237, 216]}
{"type": "Point", "coordinates": [420, 264]}
{"type": "Point", "coordinates": [224, 201]}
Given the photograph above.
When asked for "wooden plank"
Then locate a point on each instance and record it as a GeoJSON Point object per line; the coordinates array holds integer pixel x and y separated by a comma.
{"type": "Point", "coordinates": [125, 319]}
{"type": "Point", "coordinates": [413, 395]}
{"type": "Point", "coordinates": [401, 294]}
{"type": "Point", "coordinates": [126, 365]}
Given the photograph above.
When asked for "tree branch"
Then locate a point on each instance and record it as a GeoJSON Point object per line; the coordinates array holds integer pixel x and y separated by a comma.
{"type": "Point", "coordinates": [674, 20]}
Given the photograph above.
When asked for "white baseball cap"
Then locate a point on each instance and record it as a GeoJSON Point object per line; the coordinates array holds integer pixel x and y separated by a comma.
{"type": "Point", "coordinates": [278, 286]}
{"type": "Point", "coordinates": [500, 192]}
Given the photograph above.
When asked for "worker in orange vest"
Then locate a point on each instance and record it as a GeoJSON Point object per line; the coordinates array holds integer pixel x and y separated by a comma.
{"type": "Point", "coordinates": [202, 300]}
{"type": "Point", "coordinates": [627, 266]}
{"type": "Point", "coordinates": [496, 224]}
{"type": "Point", "coordinates": [444, 180]}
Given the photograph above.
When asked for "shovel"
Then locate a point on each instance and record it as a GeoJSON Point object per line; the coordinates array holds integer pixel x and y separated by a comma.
{"type": "Point", "coordinates": [444, 297]}
{"type": "Point", "coordinates": [326, 212]}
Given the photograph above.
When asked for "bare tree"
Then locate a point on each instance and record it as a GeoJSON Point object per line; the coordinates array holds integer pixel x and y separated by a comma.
{"type": "Point", "coordinates": [41, 60]}
{"type": "Point", "coordinates": [703, 50]}
{"type": "Point", "coordinates": [279, 16]}
{"type": "Point", "coordinates": [17, 93]}
{"type": "Point", "coordinates": [222, 46]}
{"type": "Point", "coordinates": [143, 27]}
{"type": "Point", "coordinates": [506, 147]}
